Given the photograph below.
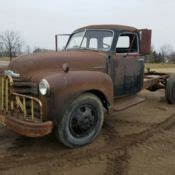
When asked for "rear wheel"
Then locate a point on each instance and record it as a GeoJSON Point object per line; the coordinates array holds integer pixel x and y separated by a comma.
{"type": "Point", "coordinates": [170, 90]}
{"type": "Point", "coordinates": [81, 122]}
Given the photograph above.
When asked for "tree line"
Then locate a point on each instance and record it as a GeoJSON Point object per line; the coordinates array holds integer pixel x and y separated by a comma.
{"type": "Point", "coordinates": [166, 54]}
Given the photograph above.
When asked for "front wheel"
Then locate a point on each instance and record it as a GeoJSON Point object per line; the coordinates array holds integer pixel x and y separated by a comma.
{"type": "Point", "coordinates": [81, 122]}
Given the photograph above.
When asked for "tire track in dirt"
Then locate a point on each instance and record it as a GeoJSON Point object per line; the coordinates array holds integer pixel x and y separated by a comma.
{"type": "Point", "coordinates": [116, 160]}
{"type": "Point", "coordinates": [114, 149]}
{"type": "Point", "coordinates": [135, 123]}
{"type": "Point", "coordinates": [119, 165]}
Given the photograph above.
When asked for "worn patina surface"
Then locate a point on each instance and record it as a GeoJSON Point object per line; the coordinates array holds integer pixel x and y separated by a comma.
{"type": "Point", "coordinates": [108, 73]}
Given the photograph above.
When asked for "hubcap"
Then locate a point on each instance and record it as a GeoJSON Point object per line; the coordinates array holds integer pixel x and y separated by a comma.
{"type": "Point", "coordinates": [83, 120]}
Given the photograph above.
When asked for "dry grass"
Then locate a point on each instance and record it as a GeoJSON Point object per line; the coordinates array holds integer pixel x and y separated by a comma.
{"type": "Point", "coordinates": [163, 68]}
{"type": "Point", "coordinates": [159, 66]}
{"type": "Point", "coordinates": [4, 59]}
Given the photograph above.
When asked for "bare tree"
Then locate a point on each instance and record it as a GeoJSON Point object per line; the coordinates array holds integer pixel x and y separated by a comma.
{"type": "Point", "coordinates": [28, 50]}
{"type": "Point", "coordinates": [12, 42]}
{"type": "Point", "coordinates": [165, 51]}
{"type": "Point", "coordinates": [172, 57]}
{"type": "Point", "coordinates": [1, 48]}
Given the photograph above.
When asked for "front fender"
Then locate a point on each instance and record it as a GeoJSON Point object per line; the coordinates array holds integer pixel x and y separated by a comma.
{"type": "Point", "coordinates": [64, 86]}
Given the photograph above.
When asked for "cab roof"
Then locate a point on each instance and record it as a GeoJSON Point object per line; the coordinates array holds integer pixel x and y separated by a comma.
{"type": "Point", "coordinates": [108, 27]}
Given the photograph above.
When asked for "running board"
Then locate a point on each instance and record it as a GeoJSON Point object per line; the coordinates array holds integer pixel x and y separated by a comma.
{"type": "Point", "coordinates": [126, 102]}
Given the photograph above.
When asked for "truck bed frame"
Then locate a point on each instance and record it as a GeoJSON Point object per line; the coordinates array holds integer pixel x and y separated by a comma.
{"type": "Point", "coordinates": [155, 80]}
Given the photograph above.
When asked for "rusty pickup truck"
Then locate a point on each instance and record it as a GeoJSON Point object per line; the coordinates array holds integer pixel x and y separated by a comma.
{"type": "Point", "coordinates": [100, 69]}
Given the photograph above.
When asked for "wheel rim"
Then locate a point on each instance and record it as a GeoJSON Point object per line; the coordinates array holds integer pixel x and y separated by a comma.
{"type": "Point", "coordinates": [83, 120]}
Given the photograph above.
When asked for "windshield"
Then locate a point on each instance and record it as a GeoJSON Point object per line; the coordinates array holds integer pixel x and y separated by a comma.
{"type": "Point", "coordinates": [91, 39]}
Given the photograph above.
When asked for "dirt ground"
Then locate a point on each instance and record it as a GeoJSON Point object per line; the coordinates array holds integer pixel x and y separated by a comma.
{"type": "Point", "coordinates": [137, 141]}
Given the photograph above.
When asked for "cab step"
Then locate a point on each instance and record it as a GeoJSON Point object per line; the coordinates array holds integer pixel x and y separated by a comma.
{"type": "Point", "coordinates": [121, 104]}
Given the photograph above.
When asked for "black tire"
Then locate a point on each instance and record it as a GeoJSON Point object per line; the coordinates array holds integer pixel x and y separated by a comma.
{"type": "Point", "coordinates": [81, 122]}
{"type": "Point", "coordinates": [170, 90]}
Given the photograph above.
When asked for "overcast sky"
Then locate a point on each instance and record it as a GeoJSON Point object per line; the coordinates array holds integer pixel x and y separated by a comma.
{"type": "Point", "coordinates": [38, 20]}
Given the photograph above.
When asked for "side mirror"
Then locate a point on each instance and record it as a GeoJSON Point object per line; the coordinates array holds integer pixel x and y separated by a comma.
{"type": "Point", "coordinates": [145, 41]}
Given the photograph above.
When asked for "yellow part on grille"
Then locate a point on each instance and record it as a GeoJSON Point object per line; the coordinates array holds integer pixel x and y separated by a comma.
{"type": "Point", "coordinates": [12, 101]}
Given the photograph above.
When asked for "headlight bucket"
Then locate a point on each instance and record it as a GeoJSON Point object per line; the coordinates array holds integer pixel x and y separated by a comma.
{"type": "Point", "coordinates": [44, 87]}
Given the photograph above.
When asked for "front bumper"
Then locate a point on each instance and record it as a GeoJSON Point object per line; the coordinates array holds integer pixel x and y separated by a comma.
{"type": "Point", "coordinates": [26, 128]}
{"type": "Point", "coordinates": [22, 113]}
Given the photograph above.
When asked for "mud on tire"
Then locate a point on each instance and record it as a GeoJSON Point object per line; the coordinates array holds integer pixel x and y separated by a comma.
{"type": "Point", "coordinates": [81, 122]}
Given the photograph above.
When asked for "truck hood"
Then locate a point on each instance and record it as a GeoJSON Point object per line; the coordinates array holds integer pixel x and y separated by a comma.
{"type": "Point", "coordinates": [36, 66]}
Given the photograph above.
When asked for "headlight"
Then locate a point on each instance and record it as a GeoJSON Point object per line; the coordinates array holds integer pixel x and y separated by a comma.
{"type": "Point", "coordinates": [44, 87]}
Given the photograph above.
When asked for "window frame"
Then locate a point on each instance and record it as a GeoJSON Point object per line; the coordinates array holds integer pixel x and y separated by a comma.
{"type": "Point", "coordinates": [138, 43]}
{"type": "Point", "coordinates": [85, 30]}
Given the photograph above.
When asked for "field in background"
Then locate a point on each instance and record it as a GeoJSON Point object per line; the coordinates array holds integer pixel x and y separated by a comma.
{"type": "Point", "coordinates": [159, 65]}
{"type": "Point", "coordinates": [4, 59]}
{"type": "Point", "coordinates": [164, 68]}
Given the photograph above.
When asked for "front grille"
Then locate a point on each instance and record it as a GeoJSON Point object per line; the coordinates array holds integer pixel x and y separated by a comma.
{"type": "Point", "coordinates": [25, 87]}
{"type": "Point", "coordinates": [15, 102]}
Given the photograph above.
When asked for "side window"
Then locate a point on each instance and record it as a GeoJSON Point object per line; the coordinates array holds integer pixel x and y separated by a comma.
{"type": "Point", "coordinates": [107, 42]}
{"type": "Point", "coordinates": [93, 43]}
{"type": "Point", "coordinates": [127, 42]}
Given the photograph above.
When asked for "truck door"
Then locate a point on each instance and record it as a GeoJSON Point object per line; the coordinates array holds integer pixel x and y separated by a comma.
{"type": "Point", "coordinates": [128, 65]}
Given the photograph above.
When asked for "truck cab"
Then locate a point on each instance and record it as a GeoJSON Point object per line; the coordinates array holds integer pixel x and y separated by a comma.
{"type": "Point", "coordinates": [67, 91]}
{"type": "Point", "coordinates": [124, 48]}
